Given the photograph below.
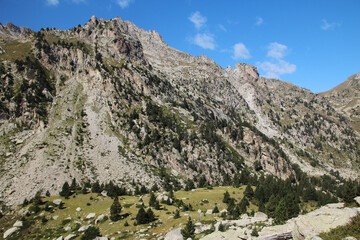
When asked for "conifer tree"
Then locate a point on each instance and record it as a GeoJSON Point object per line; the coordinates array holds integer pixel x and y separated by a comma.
{"type": "Point", "coordinates": [177, 214]}
{"type": "Point", "coordinates": [216, 209]}
{"type": "Point", "coordinates": [150, 216]}
{"type": "Point", "coordinates": [271, 206]}
{"type": "Point", "coordinates": [141, 216]}
{"type": "Point", "coordinates": [189, 230]}
{"type": "Point", "coordinates": [226, 198]}
{"type": "Point", "coordinates": [249, 192]}
{"type": "Point", "coordinates": [65, 191]}
{"type": "Point", "coordinates": [281, 213]}
{"type": "Point", "coordinates": [74, 185]}
{"type": "Point", "coordinates": [152, 200]}
{"type": "Point", "coordinates": [96, 188]}
{"type": "Point", "coordinates": [349, 192]}
{"type": "Point", "coordinates": [115, 210]}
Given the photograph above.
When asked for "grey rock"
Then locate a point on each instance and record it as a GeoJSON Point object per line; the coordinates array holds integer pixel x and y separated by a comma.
{"type": "Point", "coordinates": [57, 202]}
{"type": "Point", "coordinates": [90, 215]}
{"type": "Point", "coordinates": [83, 228]}
{"type": "Point", "coordinates": [10, 232]}
{"type": "Point", "coordinates": [18, 224]}
{"type": "Point", "coordinates": [174, 235]}
{"type": "Point", "coordinates": [70, 236]}
{"type": "Point", "coordinates": [357, 200]}
{"type": "Point", "coordinates": [100, 218]}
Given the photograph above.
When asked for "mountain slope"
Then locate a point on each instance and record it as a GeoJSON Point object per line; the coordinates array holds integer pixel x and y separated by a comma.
{"type": "Point", "coordinates": [346, 98]}
{"type": "Point", "coordinates": [110, 101]}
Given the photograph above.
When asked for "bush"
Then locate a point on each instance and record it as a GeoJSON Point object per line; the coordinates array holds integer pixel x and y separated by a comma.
{"type": "Point", "coordinates": [91, 233]}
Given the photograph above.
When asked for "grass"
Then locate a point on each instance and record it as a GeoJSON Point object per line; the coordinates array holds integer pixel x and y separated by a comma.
{"type": "Point", "coordinates": [15, 50]}
{"type": "Point", "coordinates": [201, 199]}
{"type": "Point", "coordinates": [352, 229]}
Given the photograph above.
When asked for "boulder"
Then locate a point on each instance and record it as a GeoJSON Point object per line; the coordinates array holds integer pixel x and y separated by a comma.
{"type": "Point", "coordinates": [83, 228]}
{"type": "Point", "coordinates": [55, 217]}
{"type": "Point", "coordinates": [347, 238]}
{"type": "Point", "coordinates": [70, 236]}
{"type": "Point", "coordinates": [322, 220]}
{"type": "Point", "coordinates": [259, 217]}
{"type": "Point", "coordinates": [209, 211]}
{"type": "Point", "coordinates": [174, 235]}
{"type": "Point", "coordinates": [57, 202]}
{"type": "Point", "coordinates": [90, 215]}
{"type": "Point", "coordinates": [78, 209]}
{"type": "Point", "coordinates": [68, 228]}
{"type": "Point", "coordinates": [10, 232]}
{"type": "Point", "coordinates": [60, 238]}
{"type": "Point", "coordinates": [100, 218]}
{"type": "Point", "coordinates": [18, 224]}
{"type": "Point", "coordinates": [357, 200]}
{"type": "Point", "coordinates": [101, 238]}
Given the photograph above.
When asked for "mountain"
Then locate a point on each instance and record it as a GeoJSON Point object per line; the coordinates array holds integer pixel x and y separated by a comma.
{"type": "Point", "coordinates": [346, 99]}
{"type": "Point", "coordinates": [108, 101]}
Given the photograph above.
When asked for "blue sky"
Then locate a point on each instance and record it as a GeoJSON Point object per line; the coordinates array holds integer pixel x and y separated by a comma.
{"type": "Point", "coordinates": [311, 43]}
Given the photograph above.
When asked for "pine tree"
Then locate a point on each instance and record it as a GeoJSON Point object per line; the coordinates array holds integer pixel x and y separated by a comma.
{"type": "Point", "coordinates": [95, 188]}
{"type": "Point", "coordinates": [65, 192]}
{"type": "Point", "coordinates": [189, 230]}
{"type": "Point", "coordinates": [115, 210]}
{"type": "Point", "coordinates": [292, 205]}
{"type": "Point", "coordinates": [259, 194]}
{"type": "Point", "coordinates": [349, 192]}
{"type": "Point", "coordinates": [189, 185]}
{"type": "Point", "coordinates": [271, 206]}
{"type": "Point", "coordinates": [152, 200]}
{"type": "Point", "coordinates": [150, 216]}
{"type": "Point", "coordinates": [177, 214]}
{"type": "Point", "coordinates": [281, 213]}
{"type": "Point", "coordinates": [216, 209]}
{"type": "Point", "coordinates": [226, 198]}
{"type": "Point", "coordinates": [249, 192]}
{"type": "Point", "coordinates": [243, 205]}
{"type": "Point", "coordinates": [74, 185]}
{"type": "Point", "coordinates": [141, 216]}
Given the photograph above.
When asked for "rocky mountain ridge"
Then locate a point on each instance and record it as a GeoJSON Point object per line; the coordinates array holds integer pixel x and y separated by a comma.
{"type": "Point", "coordinates": [110, 101]}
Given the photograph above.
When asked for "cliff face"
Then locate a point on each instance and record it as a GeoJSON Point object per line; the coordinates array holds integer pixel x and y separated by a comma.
{"type": "Point", "coordinates": [110, 101]}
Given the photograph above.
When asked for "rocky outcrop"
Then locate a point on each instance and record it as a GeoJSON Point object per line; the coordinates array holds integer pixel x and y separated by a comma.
{"type": "Point", "coordinates": [12, 31]}
{"type": "Point", "coordinates": [306, 226]}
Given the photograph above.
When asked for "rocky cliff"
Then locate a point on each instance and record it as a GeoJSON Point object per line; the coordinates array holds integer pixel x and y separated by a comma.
{"type": "Point", "coordinates": [110, 101]}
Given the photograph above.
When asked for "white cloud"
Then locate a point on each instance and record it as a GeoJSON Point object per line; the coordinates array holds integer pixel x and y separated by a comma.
{"type": "Point", "coordinates": [277, 66]}
{"type": "Point", "coordinates": [197, 19]}
{"type": "Point", "coordinates": [240, 51]}
{"type": "Point", "coordinates": [124, 3]}
{"type": "Point", "coordinates": [326, 25]}
{"type": "Point", "coordinates": [277, 50]}
{"type": "Point", "coordinates": [204, 40]}
{"type": "Point", "coordinates": [274, 70]}
{"type": "Point", "coordinates": [222, 27]}
{"type": "Point", "coordinates": [52, 2]}
{"type": "Point", "coordinates": [259, 21]}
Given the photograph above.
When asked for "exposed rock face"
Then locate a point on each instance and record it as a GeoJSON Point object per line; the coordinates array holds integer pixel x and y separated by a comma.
{"type": "Point", "coordinates": [303, 227]}
{"type": "Point", "coordinates": [110, 101]}
{"type": "Point", "coordinates": [12, 31]}
{"type": "Point", "coordinates": [346, 99]}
